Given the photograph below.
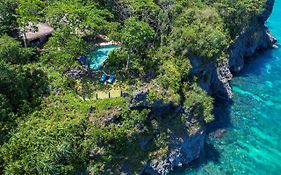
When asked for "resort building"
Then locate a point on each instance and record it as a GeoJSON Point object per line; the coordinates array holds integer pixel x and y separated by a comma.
{"type": "Point", "coordinates": [37, 34]}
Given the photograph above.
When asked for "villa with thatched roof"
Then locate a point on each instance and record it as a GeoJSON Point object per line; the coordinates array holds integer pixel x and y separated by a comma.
{"type": "Point", "coordinates": [37, 34]}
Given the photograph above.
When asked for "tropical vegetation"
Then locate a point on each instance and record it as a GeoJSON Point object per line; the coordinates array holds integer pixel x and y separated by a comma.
{"type": "Point", "coordinates": [49, 124]}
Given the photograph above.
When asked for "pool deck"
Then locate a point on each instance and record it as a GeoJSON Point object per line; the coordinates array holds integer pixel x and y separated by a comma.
{"type": "Point", "coordinates": [106, 41]}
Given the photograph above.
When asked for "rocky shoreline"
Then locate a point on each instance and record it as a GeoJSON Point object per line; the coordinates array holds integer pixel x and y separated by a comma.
{"type": "Point", "coordinates": [215, 80]}
{"type": "Point", "coordinates": [249, 43]}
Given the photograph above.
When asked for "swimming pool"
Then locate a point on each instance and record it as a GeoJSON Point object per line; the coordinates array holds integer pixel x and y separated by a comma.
{"type": "Point", "coordinates": [99, 56]}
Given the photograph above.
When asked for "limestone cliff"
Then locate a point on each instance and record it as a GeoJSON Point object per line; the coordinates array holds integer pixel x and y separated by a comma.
{"type": "Point", "coordinates": [214, 76]}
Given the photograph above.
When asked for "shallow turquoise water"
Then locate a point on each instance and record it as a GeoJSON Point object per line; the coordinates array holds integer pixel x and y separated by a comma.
{"type": "Point", "coordinates": [252, 144]}
{"type": "Point", "coordinates": [99, 56]}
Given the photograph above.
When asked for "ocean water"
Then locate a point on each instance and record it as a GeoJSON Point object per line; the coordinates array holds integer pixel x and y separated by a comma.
{"type": "Point", "coordinates": [252, 143]}
{"type": "Point", "coordinates": [99, 56]}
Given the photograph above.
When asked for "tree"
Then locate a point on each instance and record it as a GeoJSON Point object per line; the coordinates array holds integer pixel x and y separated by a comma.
{"type": "Point", "coordinates": [47, 142]}
{"type": "Point", "coordinates": [82, 19]}
{"type": "Point", "coordinates": [21, 91]}
{"type": "Point", "coordinates": [30, 12]}
{"type": "Point", "coordinates": [136, 35]}
{"type": "Point", "coordinates": [238, 15]}
{"type": "Point", "coordinates": [8, 20]}
{"type": "Point", "coordinates": [200, 32]}
{"type": "Point", "coordinates": [172, 73]}
{"type": "Point", "coordinates": [12, 52]}
{"type": "Point", "coordinates": [46, 129]}
{"type": "Point", "coordinates": [5, 118]}
{"type": "Point", "coordinates": [63, 48]}
{"type": "Point", "coordinates": [24, 87]}
{"type": "Point", "coordinates": [201, 105]}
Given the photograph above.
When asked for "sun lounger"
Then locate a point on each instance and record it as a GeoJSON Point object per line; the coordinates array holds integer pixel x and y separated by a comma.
{"type": "Point", "coordinates": [111, 79]}
{"type": "Point", "coordinates": [83, 60]}
{"type": "Point", "coordinates": [103, 78]}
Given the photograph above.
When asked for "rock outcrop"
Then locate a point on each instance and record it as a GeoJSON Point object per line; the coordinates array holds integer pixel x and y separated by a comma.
{"type": "Point", "coordinates": [182, 150]}
{"type": "Point", "coordinates": [214, 77]}
{"type": "Point", "coordinates": [183, 147]}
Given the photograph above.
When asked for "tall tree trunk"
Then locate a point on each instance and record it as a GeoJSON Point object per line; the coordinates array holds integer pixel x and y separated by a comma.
{"type": "Point", "coordinates": [24, 38]}
{"type": "Point", "coordinates": [128, 60]}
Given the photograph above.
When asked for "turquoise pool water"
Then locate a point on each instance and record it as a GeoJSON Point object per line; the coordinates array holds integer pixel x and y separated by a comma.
{"type": "Point", "coordinates": [99, 56]}
{"type": "Point", "coordinates": [252, 144]}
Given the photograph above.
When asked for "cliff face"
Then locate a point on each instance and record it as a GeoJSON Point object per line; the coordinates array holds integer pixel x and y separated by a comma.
{"type": "Point", "coordinates": [182, 150]}
{"type": "Point", "coordinates": [183, 146]}
{"type": "Point", "coordinates": [214, 78]}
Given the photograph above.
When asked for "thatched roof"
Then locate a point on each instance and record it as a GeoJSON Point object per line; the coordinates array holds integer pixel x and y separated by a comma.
{"type": "Point", "coordinates": [43, 29]}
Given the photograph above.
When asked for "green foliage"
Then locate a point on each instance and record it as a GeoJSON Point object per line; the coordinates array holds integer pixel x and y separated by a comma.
{"type": "Point", "coordinates": [5, 107]}
{"type": "Point", "coordinates": [30, 11]}
{"type": "Point", "coordinates": [117, 60]}
{"type": "Point", "coordinates": [8, 20]}
{"type": "Point", "coordinates": [48, 141]}
{"type": "Point", "coordinates": [238, 15]}
{"type": "Point", "coordinates": [12, 52]}
{"type": "Point", "coordinates": [46, 129]}
{"type": "Point", "coordinates": [172, 73]}
{"type": "Point", "coordinates": [136, 34]}
{"type": "Point", "coordinates": [63, 48]}
{"type": "Point", "coordinates": [201, 104]}
{"type": "Point", "coordinates": [6, 115]}
{"type": "Point", "coordinates": [81, 18]}
{"type": "Point", "coordinates": [21, 91]}
{"type": "Point", "coordinates": [23, 86]}
{"type": "Point", "coordinates": [199, 32]}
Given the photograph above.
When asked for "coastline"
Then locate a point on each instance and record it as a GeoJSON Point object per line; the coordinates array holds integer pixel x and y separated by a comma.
{"type": "Point", "coordinates": [219, 75]}
{"type": "Point", "coordinates": [248, 43]}
{"type": "Point", "coordinates": [179, 81]}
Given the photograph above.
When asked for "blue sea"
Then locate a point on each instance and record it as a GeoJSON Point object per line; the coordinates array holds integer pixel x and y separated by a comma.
{"type": "Point", "coordinates": [252, 143]}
